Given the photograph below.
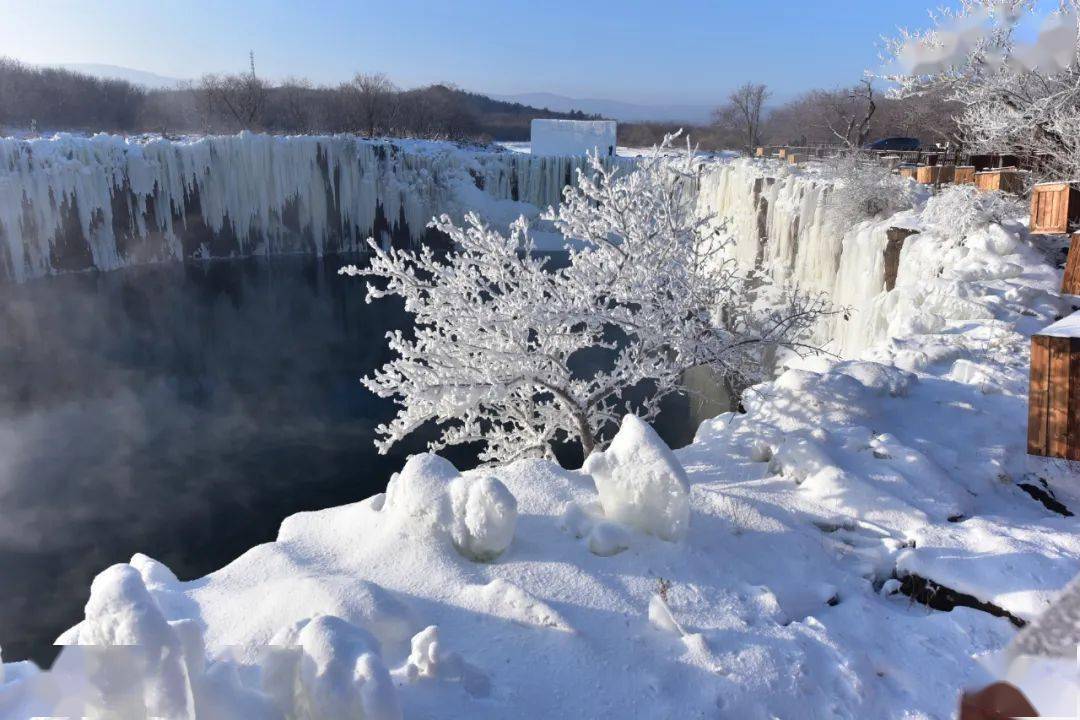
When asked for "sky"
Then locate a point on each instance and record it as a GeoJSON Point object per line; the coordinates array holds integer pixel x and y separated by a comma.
{"type": "Point", "coordinates": [675, 51]}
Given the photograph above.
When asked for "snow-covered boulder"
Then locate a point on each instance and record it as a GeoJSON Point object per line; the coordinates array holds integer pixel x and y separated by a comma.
{"type": "Point", "coordinates": [334, 670]}
{"type": "Point", "coordinates": [640, 481]}
{"type": "Point", "coordinates": [485, 514]}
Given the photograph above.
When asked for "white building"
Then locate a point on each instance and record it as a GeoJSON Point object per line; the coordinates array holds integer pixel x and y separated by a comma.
{"type": "Point", "coordinates": [573, 137]}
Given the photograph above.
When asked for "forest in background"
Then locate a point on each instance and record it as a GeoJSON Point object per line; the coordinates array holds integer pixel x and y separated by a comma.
{"type": "Point", "coordinates": [49, 99]}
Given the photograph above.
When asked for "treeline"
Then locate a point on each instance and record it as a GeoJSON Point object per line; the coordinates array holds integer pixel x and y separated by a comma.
{"type": "Point", "coordinates": [369, 104]}
{"type": "Point", "coordinates": [850, 116]}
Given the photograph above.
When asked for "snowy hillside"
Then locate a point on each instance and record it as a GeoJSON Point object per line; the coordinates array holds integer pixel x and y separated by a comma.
{"type": "Point", "coordinates": [796, 531]}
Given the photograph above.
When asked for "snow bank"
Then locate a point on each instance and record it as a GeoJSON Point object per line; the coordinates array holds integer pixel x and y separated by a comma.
{"type": "Point", "coordinates": [641, 483]}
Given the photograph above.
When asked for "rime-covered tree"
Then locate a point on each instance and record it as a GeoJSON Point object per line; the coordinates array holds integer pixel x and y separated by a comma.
{"type": "Point", "coordinates": [1021, 98]}
{"type": "Point", "coordinates": [648, 286]}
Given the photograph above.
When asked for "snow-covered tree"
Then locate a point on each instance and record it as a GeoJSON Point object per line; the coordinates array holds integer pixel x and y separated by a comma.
{"type": "Point", "coordinates": [864, 189]}
{"type": "Point", "coordinates": [1020, 98]}
{"type": "Point", "coordinates": [496, 354]}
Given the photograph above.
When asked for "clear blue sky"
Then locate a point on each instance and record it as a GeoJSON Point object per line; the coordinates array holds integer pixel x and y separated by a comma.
{"type": "Point", "coordinates": [672, 51]}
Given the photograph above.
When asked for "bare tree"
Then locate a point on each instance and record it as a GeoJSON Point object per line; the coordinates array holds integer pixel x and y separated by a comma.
{"type": "Point", "coordinates": [369, 100]}
{"type": "Point", "coordinates": [295, 105]}
{"type": "Point", "coordinates": [852, 114]}
{"type": "Point", "coordinates": [743, 111]}
{"type": "Point", "coordinates": [496, 329]}
{"type": "Point", "coordinates": [240, 98]}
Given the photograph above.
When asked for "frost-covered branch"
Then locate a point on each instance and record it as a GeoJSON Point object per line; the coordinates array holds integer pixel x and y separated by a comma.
{"type": "Point", "coordinates": [501, 340]}
{"type": "Point", "coordinates": [1017, 98]}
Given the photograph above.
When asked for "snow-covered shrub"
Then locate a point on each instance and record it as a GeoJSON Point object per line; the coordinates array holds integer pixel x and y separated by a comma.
{"type": "Point", "coordinates": [865, 189]}
{"type": "Point", "coordinates": [958, 210]}
{"type": "Point", "coordinates": [495, 329]}
{"type": "Point", "coordinates": [1017, 96]}
{"type": "Point", "coordinates": [485, 513]}
{"type": "Point", "coordinates": [641, 482]}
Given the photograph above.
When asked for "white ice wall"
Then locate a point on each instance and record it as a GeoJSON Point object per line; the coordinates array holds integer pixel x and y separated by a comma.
{"type": "Point", "coordinates": [134, 201]}
{"type": "Point", "coordinates": [778, 219]}
{"type": "Point", "coordinates": [565, 138]}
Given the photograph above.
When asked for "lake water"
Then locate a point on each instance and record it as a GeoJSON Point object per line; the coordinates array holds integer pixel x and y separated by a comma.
{"type": "Point", "coordinates": [183, 411]}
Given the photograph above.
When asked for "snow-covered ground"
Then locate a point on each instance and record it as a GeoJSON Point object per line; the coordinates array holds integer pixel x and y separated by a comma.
{"type": "Point", "coordinates": [790, 530]}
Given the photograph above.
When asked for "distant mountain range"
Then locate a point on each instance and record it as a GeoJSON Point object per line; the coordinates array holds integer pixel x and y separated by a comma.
{"type": "Point", "coordinates": [615, 109]}
{"type": "Point", "coordinates": [117, 72]}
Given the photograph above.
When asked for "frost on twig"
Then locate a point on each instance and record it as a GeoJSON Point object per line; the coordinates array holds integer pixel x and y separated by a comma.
{"type": "Point", "coordinates": [648, 286]}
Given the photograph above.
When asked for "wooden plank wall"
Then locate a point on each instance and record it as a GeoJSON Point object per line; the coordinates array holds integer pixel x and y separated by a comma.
{"type": "Point", "coordinates": [964, 175]}
{"type": "Point", "coordinates": [1054, 208]}
{"type": "Point", "coordinates": [1070, 285]}
{"type": "Point", "coordinates": [1054, 397]}
{"type": "Point", "coordinates": [1005, 180]}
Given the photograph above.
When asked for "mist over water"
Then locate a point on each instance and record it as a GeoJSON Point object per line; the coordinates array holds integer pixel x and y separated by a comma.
{"type": "Point", "coordinates": [182, 411]}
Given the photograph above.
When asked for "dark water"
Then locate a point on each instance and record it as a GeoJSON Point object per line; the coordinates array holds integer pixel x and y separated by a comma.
{"type": "Point", "coordinates": [183, 411]}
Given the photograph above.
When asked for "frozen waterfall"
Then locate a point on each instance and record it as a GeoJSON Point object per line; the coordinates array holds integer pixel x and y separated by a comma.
{"type": "Point", "coordinates": [74, 203]}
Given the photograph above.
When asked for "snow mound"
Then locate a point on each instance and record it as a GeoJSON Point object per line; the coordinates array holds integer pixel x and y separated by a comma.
{"type": "Point", "coordinates": [608, 538]}
{"type": "Point", "coordinates": [429, 496]}
{"type": "Point", "coordinates": [335, 672]}
{"type": "Point", "coordinates": [640, 481]}
{"type": "Point", "coordinates": [418, 494]}
{"type": "Point", "coordinates": [485, 514]}
{"type": "Point", "coordinates": [121, 612]}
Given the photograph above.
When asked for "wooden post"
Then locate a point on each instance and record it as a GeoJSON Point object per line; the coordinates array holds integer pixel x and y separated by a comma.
{"type": "Point", "coordinates": [1070, 284]}
{"type": "Point", "coordinates": [781, 153]}
{"type": "Point", "coordinates": [794, 159]}
{"type": "Point", "coordinates": [1054, 391]}
{"type": "Point", "coordinates": [1055, 208]}
{"type": "Point", "coordinates": [760, 152]}
{"type": "Point", "coordinates": [934, 174]}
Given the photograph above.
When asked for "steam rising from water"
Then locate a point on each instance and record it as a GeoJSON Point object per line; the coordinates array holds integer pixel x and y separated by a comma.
{"type": "Point", "coordinates": [183, 411]}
